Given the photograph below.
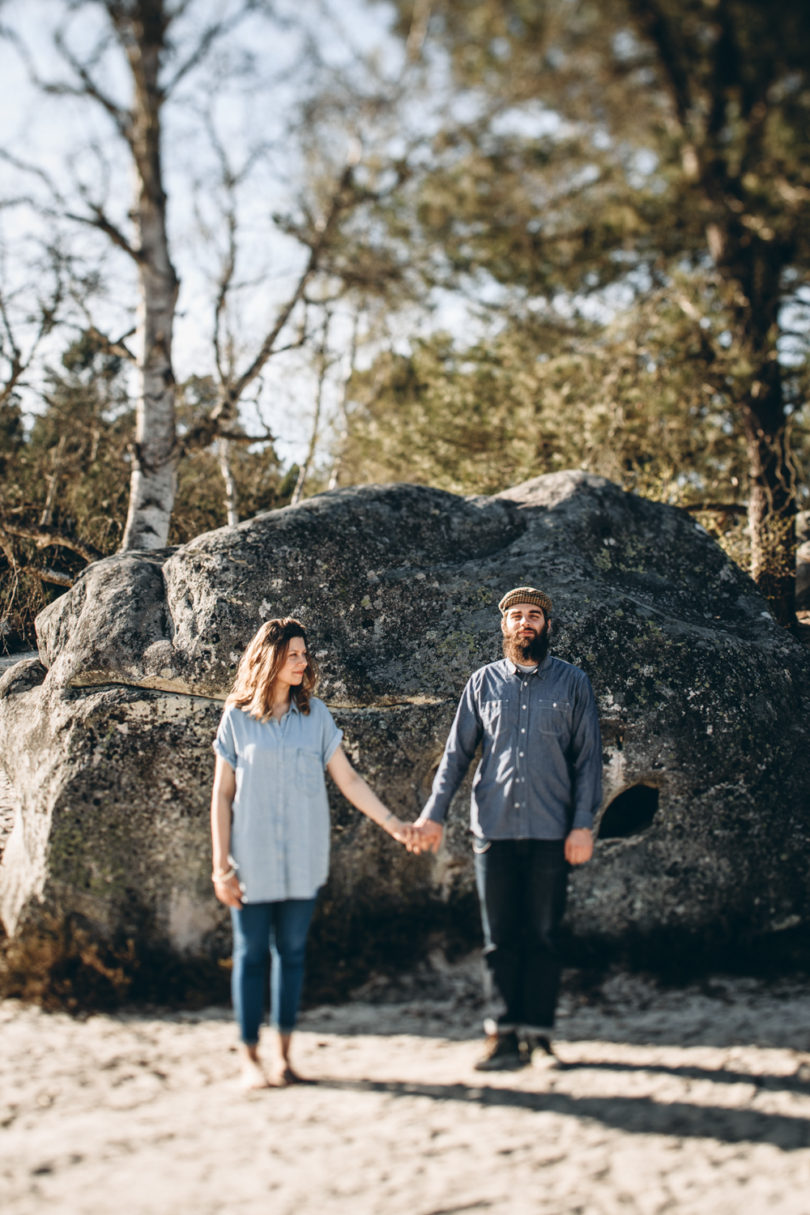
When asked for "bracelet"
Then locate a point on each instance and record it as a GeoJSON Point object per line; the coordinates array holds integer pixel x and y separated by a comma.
{"type": "Point", "coordinates": [225, 876]}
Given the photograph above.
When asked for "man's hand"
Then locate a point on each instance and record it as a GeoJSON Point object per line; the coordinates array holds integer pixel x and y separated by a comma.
{"type": "Point", "coordinates": [425, 836]}
{"type": "Point", "coordinates": [579, 846]}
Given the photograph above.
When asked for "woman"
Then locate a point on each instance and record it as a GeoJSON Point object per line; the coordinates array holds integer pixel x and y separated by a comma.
{"type": "Point", "coordinates": [270, 827]}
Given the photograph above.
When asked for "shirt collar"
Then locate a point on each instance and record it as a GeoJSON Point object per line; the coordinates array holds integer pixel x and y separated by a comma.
{"type": "Point", "coordinates": [516, 670]}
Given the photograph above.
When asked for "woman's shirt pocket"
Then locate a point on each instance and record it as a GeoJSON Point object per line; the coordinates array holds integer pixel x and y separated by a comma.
{"type": "Point", "coordinates": [309, 772]}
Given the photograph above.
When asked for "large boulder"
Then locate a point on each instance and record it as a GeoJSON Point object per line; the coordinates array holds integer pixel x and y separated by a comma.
{"type": "Point", "coordinates": [107, 738]}
{"type": "Point", "coordinates": [803, 560]}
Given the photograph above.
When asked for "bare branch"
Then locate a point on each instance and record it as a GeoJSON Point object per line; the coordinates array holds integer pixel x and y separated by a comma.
{"type": "Point", "coordinates": [418, 30]}
{"type": "Point", "coordinates": [24, 166]}
{"type": "Point", "coordinates": [323, 371]}
{"type": "Point", "coordinates": [228, 269]}
{"type": "Point", "coordinates": [47, 537]}
{"type": "Point", "coordinates": [121, 117]}
{"type": "Point", "coordinates": [18, 361]}
{"type": "Point", "coordinates": [100, 220]}
{"type": "Point", "coordinates": [209, 36]}
{"type": "Point", "coordinates": [54, 576]}
{"type": "Point", "coordinates": [715, 508]}
{"type": "Point", "coordinates": [342, 197]}
{"type": "Point", "coordinates": [113, 346]}
{"type": "Point", "coordinates": [210, 429]}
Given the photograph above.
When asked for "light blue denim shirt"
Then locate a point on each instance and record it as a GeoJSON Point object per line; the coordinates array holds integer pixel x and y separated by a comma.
{"type": "Point", "coordinates": [280, 829]}
{"type": "Point", "coordinates": [540, 773]}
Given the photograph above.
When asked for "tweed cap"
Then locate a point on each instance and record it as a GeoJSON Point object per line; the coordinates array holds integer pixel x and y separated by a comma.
{"type": "Point", "coordinates": [525, 594]}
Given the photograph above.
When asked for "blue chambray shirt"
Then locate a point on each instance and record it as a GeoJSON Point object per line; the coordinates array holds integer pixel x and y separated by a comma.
{"type": "Point", "coordinates": [540, 774]}
{"type": "Point", "coordinates": [280, 828]}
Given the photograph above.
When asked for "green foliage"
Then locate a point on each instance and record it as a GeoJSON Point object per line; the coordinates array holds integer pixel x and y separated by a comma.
{"type": "Point", "coordinates": [615, 148]}
{"type": "Point", "coordinates": [648, 401]}
{"type": "Point", "coordinates": [65, 487]}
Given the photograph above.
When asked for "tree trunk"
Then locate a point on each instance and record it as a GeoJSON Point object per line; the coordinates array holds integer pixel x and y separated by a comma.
{"type": "Point", "coordinates": [755, 268]}
{"type": "Point", "coordinates": [771, 496]}
{"type": "Point", "coordinates": [323, 368]}
{"type": "Point", "coordinates": [153, 478]}
{"type": "Point", "coordinates": [231, 495]}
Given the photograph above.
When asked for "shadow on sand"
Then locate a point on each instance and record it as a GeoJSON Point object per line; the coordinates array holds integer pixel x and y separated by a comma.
{"type": "Point", "coordinates": [633, 1115]}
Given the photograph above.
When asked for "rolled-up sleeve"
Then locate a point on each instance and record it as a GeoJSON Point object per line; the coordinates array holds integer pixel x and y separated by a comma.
{"type": "Point", "coordinates": [225, 744]}
{"type": "Point", "coordinates": [462, 741]}
{"type": "Point", "coordinates": [331, 735]}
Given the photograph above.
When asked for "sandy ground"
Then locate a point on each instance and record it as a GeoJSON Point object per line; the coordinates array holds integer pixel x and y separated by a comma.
{"type": "Point", "coordinates": [663, 1100]}
{"type": "Point", "coordinates": [687, 1100]}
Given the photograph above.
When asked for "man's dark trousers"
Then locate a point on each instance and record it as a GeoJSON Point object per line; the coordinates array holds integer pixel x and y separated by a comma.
{"type": "Point", "coordinates": [521, 890]}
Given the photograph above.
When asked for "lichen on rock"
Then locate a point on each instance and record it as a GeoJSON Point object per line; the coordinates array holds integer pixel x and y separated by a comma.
{"type": "Point", "coordinates": [702, 698]}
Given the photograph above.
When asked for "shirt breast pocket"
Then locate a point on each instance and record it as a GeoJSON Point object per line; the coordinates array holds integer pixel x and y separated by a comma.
{"type": "Point", "coordinates": [309, 772]}
{"type": "Point", "coordinates": [553, 716]}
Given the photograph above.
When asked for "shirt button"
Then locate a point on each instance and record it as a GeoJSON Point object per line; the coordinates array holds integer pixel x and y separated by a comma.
{"type": "Point", "coordinates": [523, 731]}
{"type": "Point", "coordinates": [522, 753]}
{"type": "Point", "coordinates": [523, 706]}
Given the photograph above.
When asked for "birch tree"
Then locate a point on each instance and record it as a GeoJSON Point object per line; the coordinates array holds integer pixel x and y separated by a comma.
{"type": "Point", "coordinates": [141, 34]}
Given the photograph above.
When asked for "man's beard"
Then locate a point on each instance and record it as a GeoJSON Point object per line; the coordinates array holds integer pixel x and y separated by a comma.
{"type": "Point", "coordinates": [527, 651]}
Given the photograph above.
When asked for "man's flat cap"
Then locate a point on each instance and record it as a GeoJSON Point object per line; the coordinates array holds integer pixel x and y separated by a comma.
{"type": "Point", "coordinates": [526, 594]}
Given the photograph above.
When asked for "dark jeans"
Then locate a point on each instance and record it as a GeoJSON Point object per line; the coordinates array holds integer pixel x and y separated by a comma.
{"type": "Point", "coordinates": [521, 890]}
{"type": "Point", "coordinates": [282, 929]}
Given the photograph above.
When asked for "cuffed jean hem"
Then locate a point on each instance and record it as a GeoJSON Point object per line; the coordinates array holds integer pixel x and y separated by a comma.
{"type": "Point", "coordinates": [280, 929]}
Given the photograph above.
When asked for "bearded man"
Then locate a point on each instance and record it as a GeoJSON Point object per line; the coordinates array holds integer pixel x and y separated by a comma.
{"type": "Point", "coordinates": [534, 796]}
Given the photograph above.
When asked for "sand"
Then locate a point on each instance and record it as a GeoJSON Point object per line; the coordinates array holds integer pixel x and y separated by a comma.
{"type": "Point", "coordinates": [687, 1100]}
{"type": "Point", "coordinates": [694, 1099]}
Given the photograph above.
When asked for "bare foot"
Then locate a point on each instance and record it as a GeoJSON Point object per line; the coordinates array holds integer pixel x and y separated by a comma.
{"type": "Point", "coordinates": [252, 1076]}
{"type": "Point", "coordinates": [289, 1075]}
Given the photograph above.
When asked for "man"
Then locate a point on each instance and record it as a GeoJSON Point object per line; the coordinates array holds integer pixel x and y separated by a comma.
{"type": "Point", "coordinates": [534, 795]}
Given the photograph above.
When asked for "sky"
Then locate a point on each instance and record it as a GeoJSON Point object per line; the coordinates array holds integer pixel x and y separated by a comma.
{"type": "Point", "coordinates": [73, 142]}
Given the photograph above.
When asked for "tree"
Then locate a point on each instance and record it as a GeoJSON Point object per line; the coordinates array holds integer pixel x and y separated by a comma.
{"type": "Point", "coordinates": [619, 143]}
{"type": "Point", "coordinates": [163, 46]}
{"type": "Point", "coordinates": [643, 401]}
{"type": "Point", "coordinates": [63, 495]}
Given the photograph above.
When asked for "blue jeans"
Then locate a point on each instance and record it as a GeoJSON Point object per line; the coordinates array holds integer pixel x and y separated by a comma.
{"type": "Point", "coordinates": [521, 891]}
{"type": "Point", "coordinates": [280, 928]}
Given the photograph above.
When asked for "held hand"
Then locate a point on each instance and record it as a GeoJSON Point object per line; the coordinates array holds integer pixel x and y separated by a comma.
{"type": "Point", "coordinates": [426, 836]}
{"type": "Point", "coordinates": [403, 833]}
{"type": "Point", "coordinates": [393, 826]}
{"type": "Point", "coordinates": [579, 846]}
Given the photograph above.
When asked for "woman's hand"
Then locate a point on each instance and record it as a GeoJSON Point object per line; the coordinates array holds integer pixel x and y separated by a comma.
{"type": "Point", "coordinates": [228, 890]}
{"type": "Point", "coordinates": [403, 833]}
{"type": "Point", "coordinates": [226, 882]}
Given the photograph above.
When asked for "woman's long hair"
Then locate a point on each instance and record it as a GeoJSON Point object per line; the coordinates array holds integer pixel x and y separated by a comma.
{"type": "Point", "coordinates": [260, 664]}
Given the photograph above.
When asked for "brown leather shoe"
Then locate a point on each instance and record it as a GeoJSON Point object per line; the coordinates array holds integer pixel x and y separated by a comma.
{"type": "Point", "coordinates": [501, 1054]}
{"type": "Point", "coordinates": [539, 1045]}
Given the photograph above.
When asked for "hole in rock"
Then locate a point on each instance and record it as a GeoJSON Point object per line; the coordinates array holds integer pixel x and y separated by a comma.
{"type": "Point", "coordinates": [630, 813]}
